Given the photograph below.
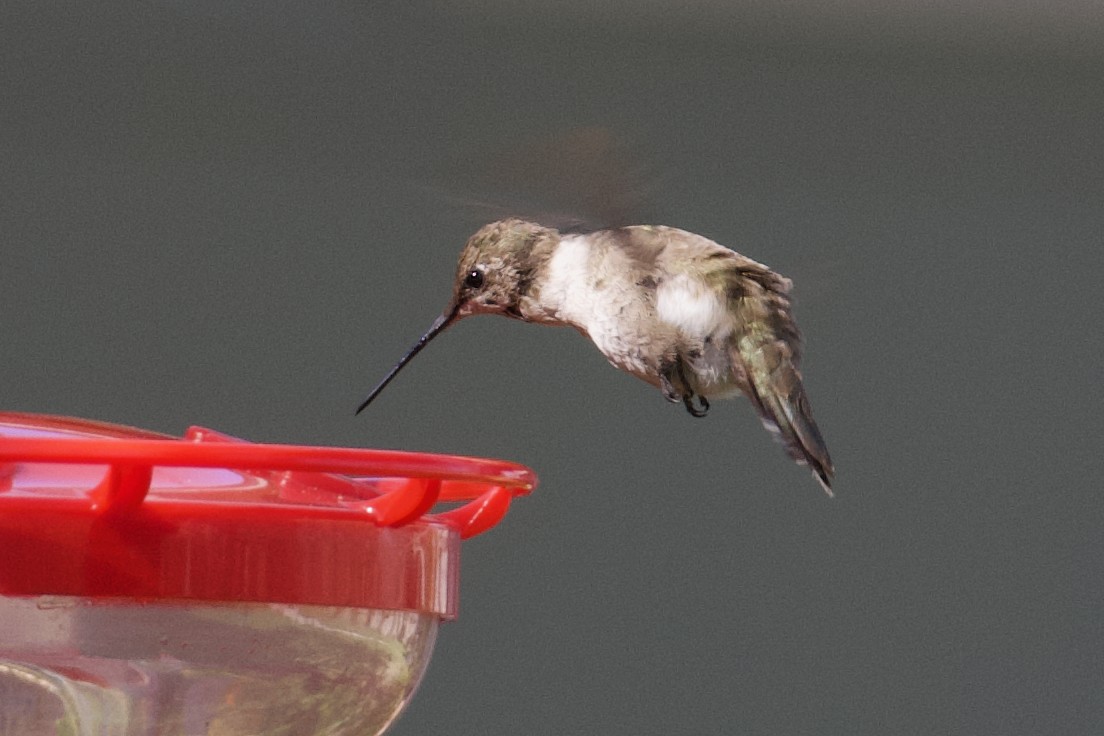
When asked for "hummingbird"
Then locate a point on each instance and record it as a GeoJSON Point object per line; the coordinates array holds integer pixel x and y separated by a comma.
{"type": "Point", "coordinates": [685, 314]}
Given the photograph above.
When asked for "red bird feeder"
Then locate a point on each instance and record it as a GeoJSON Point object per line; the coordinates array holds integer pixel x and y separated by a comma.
{"type": "Point", "coordinates": [208, 585]}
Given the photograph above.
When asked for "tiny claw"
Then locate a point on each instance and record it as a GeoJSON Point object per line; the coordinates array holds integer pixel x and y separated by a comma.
{"type": "Point", "coordinates": [668, 389]}
{"type": "Point", "coordinates": [688, 397]}
{"type": "Point", "coordinates": [688, 402]}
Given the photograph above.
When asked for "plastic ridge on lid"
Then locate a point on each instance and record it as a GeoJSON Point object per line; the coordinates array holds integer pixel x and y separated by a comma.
{"type": "Point", "coordinates": [91, 509]}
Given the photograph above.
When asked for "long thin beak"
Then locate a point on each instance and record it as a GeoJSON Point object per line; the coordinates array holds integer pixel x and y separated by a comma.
{"type": "Point", "coordinates": [435, 329]}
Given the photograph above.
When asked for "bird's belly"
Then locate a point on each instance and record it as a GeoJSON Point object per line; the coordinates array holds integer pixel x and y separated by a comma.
{"type": "Point", "coordinates": [625, 334]}
{"type": "Point", "coordinates": [631, 337]}
{"type": "Point", "coordinates": [628, 355]}
{"type": "Point", "coordinates": [711, 371]}
{"type": "Point", "coordinates": [720, 391]}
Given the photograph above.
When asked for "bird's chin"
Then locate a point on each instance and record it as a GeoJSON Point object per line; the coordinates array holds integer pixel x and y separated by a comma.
{"type": "Point", "coordinates": [465, 310]}
{"type": "Point", "coordinates": [470, 310]}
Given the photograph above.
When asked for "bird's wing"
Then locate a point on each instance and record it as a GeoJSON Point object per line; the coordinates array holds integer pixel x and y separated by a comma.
{"type": "Point", "coordinates": [767, 344]}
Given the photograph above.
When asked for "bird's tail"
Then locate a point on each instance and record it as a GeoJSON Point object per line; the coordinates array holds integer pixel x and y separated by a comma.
{"type": "Point", "coordinates": [775, 388]}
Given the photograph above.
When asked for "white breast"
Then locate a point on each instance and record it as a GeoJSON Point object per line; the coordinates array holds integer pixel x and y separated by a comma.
{"type": "Point", "coordinates": [565, 292]}
{"type": "Point", "coordinates": [592, 290]}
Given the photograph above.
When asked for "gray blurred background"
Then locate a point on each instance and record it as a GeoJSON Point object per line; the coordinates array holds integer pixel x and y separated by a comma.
{"type": "Point", "coordinates": [239, 215]}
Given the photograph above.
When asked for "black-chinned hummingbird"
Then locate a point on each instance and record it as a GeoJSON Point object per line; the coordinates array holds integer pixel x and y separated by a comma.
{"type": "Point", "coordinates": [687, 315]}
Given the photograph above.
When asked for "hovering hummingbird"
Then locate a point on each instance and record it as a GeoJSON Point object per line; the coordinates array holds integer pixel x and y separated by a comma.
{"type": "Point", "coordinates": [685, 314]}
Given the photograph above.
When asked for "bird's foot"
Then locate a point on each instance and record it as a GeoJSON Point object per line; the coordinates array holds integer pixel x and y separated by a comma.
{"type": "Point", "coordinates": [696, 411]}
{"type": "Point", "coordinates": [668, 389]}
{"type": "Point", "coordinates": [685, 395]}
{"type": "Point", "coordinates": [702, 408]}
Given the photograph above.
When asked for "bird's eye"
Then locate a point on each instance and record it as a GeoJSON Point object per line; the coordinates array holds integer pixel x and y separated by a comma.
{"type": "Point", "coordinates": [474, 279]}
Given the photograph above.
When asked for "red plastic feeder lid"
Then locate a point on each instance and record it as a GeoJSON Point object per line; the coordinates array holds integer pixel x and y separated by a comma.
{"type": "Point", "coordinates": [100, 510]}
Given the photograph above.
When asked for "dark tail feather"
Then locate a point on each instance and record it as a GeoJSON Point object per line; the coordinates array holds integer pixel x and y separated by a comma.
{"type": "Point", "coordinates": [776, 390]}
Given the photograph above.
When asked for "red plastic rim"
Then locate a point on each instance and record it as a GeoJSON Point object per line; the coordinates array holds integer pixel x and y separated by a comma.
{"type": "Point", "coordinates": [91, 509]}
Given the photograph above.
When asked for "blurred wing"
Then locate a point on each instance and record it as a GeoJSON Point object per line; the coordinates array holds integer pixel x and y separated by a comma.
{"type": "Point", "coordinates": [581, 180]}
